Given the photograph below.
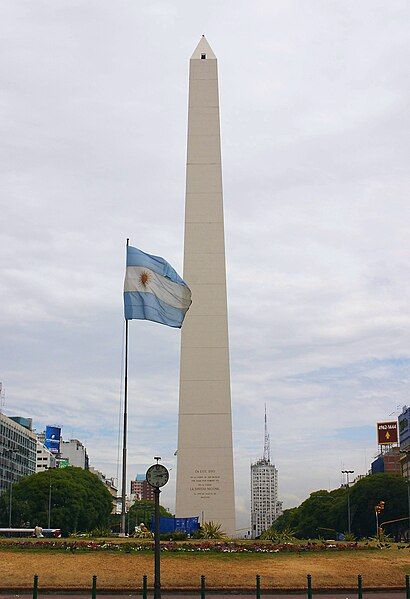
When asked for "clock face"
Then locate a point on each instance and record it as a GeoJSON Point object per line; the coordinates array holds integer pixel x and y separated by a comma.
{"type": "Point", "coordinates": [157, 475]}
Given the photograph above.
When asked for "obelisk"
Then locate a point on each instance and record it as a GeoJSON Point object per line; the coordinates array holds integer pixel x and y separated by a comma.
{"type": "Point", "coordinates": [205, 482]}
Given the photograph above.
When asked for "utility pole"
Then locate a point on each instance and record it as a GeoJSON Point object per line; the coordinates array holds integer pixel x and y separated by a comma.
{"type": "Point", "coordinates": [349, 520]}
{"type": "Point", "coordinates": [406, 452]}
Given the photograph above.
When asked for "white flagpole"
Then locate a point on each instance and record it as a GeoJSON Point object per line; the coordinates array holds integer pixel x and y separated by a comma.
{"type": "Point", "coordinates": [124, 438]}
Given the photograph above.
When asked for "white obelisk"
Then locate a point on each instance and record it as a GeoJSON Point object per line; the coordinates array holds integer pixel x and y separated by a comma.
{"type": "Point", "coordinates": [205, 482]}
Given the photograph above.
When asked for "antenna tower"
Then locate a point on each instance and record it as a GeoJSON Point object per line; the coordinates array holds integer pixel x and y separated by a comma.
{"type": "Point", "coordinates": [266, 445]}
{"type": "Point", "coordinates": [2, 397]}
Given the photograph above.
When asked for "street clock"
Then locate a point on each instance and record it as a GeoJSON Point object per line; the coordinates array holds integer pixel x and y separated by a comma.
{"type": "Point", "coordinates": [157, 475]}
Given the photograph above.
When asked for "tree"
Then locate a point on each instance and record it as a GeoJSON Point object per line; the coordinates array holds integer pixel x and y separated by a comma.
{"type": "Point", "coordinates": [315, 517]}
{"type": "Point", "coordinates": [368, 492]}
{"type": "Point", "coordinates": [79, 501]}
{"type": "Point", "coordinates": [324, 514]}
{"type": "Point", "coordinates": [287, 521]}
{"type": "Point", "coordinates": [142, 510]}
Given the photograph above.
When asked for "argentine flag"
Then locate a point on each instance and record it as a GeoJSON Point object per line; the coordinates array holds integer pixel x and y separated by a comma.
{"type": "Point", "coordinates": [153, 290]}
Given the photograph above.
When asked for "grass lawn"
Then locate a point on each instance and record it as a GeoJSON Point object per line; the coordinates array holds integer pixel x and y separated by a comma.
{"type": "Point", "coordinates": [118, 570]}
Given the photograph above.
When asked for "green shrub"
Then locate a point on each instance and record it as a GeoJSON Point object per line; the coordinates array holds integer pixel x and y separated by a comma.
{"type": "Point", "coordinates": [211, 530]}
{"type": "Point", "coordinates": [285, 536]}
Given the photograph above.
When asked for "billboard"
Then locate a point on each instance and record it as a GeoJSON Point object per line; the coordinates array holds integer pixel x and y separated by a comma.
{"type": "Point", "coordinates": [52, 438]}
{"type": "Point", "coordinates": [387, 433]}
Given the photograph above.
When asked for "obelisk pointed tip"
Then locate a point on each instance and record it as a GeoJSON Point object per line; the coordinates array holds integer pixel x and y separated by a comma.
{"type": "Point", "coordinates": [203, 50]}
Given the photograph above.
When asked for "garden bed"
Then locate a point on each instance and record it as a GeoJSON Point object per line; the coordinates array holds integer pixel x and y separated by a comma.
{"type": "Point", "coordinates": [137, 546]}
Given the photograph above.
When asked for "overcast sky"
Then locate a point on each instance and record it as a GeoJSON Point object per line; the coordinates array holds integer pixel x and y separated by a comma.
{"type": "Point", "coordinates": [315, 144]}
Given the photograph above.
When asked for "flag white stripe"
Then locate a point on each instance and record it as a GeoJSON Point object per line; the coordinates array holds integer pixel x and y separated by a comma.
{"type": "Point", "coordinates": [173, 294]}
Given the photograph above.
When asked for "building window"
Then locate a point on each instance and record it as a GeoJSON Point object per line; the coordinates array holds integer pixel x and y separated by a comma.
{"type": "Point", "coordinates": [203, 56]}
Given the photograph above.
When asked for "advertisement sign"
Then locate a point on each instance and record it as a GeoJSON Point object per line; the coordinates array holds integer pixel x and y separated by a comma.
{"type": "Point", "coordinates": [387, 433]}
{"type": "Point", "coordinates": [170, 525]}
{"type": "Point", "coordinates": [52, 438]}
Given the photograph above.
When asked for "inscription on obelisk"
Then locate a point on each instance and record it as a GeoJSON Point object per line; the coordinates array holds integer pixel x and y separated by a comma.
{"type": "Point", "coordinates": [205, 483]}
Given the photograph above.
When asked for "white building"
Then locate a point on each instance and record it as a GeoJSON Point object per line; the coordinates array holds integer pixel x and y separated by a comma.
{"type": "Point", "coordinates": [109, 482]}
{"type": "Point", "coordinates": [265, 506]}
{"type": "Point", "coordinates": [75, 452]}
{"type": "Point", "coordinates": [45, 459]}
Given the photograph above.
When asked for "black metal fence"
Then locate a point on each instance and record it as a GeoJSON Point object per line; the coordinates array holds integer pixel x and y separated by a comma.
{"type": "Point", "coordinates": [258, 591]}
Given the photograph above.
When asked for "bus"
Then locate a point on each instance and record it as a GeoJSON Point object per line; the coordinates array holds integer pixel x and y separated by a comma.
{"type": "Point", "coordinates": [48, 533]}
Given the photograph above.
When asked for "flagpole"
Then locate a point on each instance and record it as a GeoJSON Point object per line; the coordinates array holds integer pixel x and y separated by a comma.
{"type": "Point", "coordinates": [124, 438]}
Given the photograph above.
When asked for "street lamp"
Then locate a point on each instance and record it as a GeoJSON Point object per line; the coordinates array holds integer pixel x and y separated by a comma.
{"type": "Point", "coordinates": [347, 472]}
{"type": "Point", "coordinates": [12, 454]}
{"type": "Point", "coordinates": [378, 510]}
{"type": "Point", "coordinates": [10, 502]}
{"type": "Point", "coordinates": [406, 453]}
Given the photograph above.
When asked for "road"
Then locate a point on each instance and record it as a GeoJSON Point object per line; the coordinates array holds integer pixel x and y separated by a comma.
{"type": "Point", "coordinates": [339, 595]}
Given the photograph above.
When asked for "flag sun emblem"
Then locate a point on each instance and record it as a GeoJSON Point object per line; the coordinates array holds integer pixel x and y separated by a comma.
{"type": "Point", "coordinates": [144, 278]}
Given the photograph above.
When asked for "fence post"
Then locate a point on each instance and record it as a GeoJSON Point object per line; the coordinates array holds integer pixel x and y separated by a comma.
{"type": "Point", "coordinates": [94, 589]}
{"type": "Point", "coordinates": [407, 586]}
{"type": "Point", "coordinates": [35, 586]}
{"type": "Point", "coordinates": [309, 587]}
{"type": "Point", "coordinates": [202, 587]}
{"type": "Point", "coordinates": [258, 587]}
{"type": "Point", "coordinates": [144, 587]}
{"type": "Point", "coordinates": [359, 587]}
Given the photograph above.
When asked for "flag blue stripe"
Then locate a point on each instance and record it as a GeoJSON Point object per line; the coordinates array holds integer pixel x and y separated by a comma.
{"type": "Point", "coordinates": [146, 306]}
{"type": "Point", "coordinates": [136, 257]}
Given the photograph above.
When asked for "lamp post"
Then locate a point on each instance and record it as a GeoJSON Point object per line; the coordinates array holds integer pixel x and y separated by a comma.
{"type": "Point", "coordinates": [406, 453]}
{"type": "Point", "coordinates": [10, 502]}
{"type": "Point", "coordinates": [12, 455]}
{"type": "Point", "coordinates": [49, 502]}
{"type": "Point", "coordinates": [347, 472]}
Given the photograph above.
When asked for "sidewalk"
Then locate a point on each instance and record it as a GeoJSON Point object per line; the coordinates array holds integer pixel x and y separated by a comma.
{"type": "Point", "coordinates": [300, 595]}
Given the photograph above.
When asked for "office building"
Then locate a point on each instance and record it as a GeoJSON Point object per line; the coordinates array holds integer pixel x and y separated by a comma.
{"type": "Point", "coordinates": [44, 458]}
{"type": "Point", "coordinates": [141, 489]}
{"type": "Point", "coordinates": [17, 450]}
{"type": "Point", "coordinates": [265, 505]}
{"type": "Point", "coordinates": [404, 441]}
{"type": "Point", "coordinates": [387, 461]}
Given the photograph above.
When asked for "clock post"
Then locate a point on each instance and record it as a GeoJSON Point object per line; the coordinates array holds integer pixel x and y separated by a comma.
{"type": "Point", "coordinates": [157, 476]}
{"type": "Point", "coordinates": [157, 548]}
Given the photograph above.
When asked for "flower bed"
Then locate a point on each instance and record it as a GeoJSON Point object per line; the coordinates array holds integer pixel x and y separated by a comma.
{"type": "Point", "coordinates": [181, 547]}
